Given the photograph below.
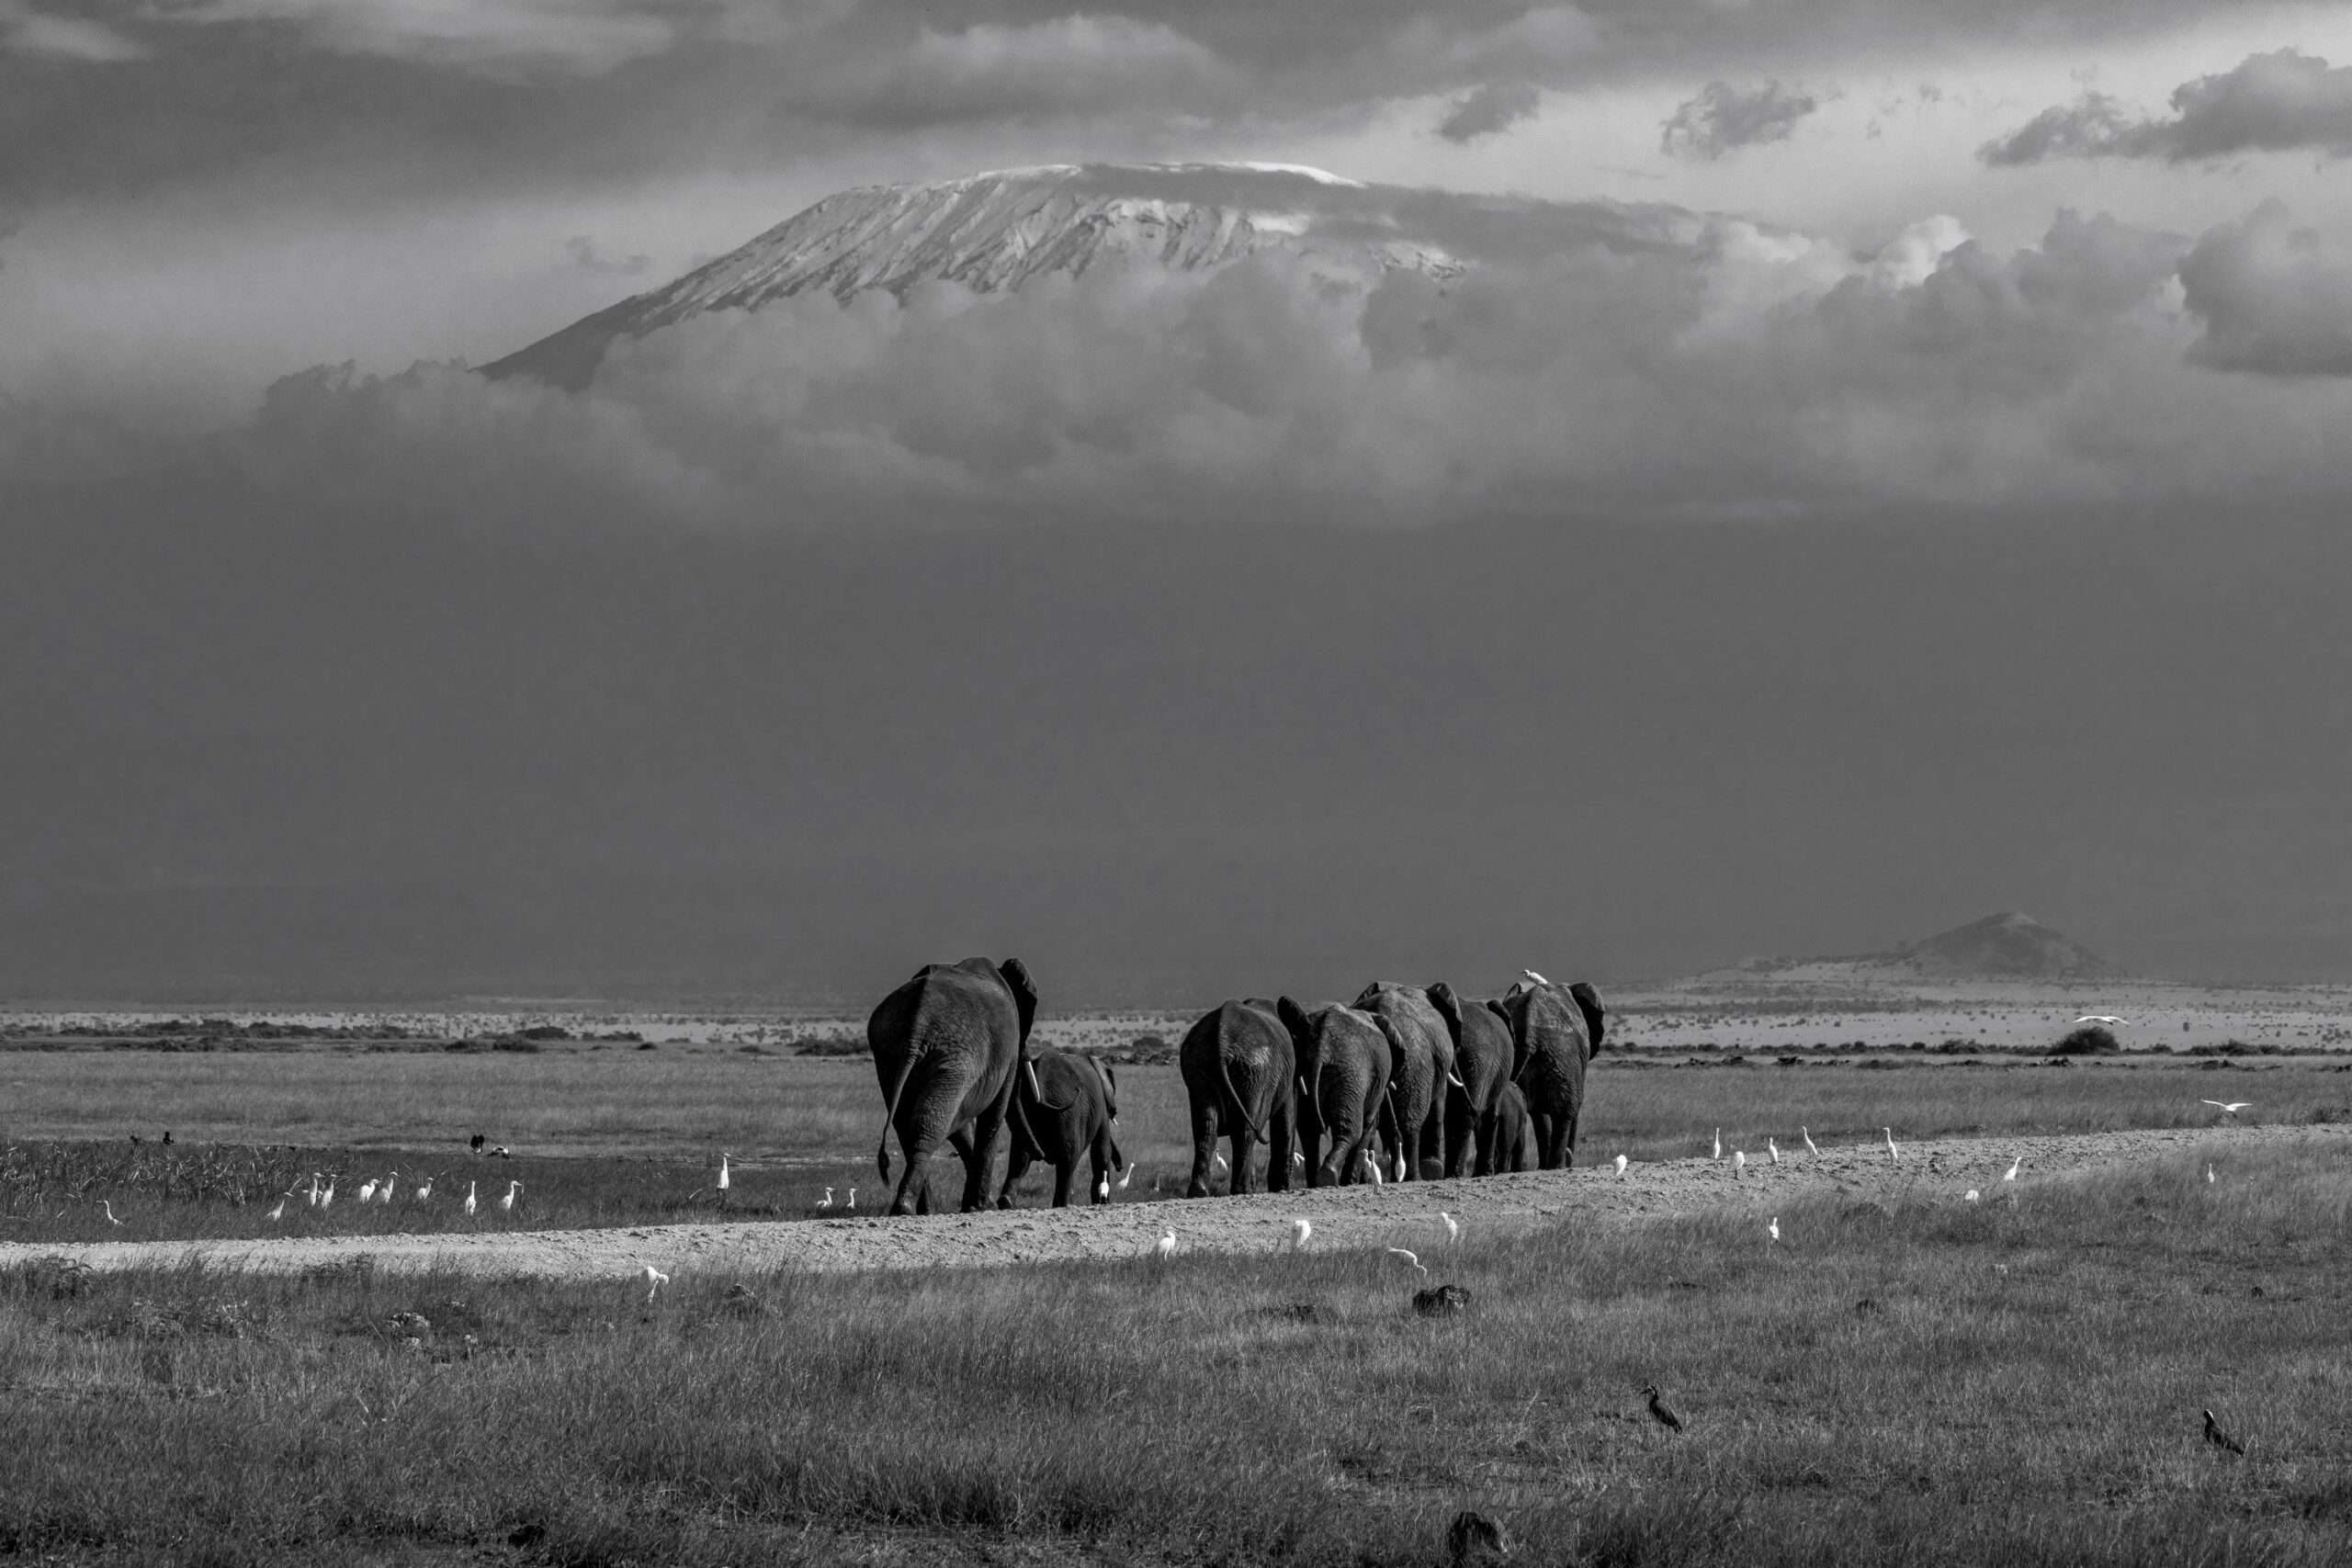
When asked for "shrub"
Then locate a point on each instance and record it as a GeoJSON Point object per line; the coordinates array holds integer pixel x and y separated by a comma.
{"type": "Point", "coordinates": [2091, 1040]}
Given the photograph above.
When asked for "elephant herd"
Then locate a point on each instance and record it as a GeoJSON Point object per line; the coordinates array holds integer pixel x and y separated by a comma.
{"type": "Point", "coordinates": [1404, 1083]}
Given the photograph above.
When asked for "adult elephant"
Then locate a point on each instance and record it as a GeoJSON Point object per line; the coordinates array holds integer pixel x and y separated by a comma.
{"type": "Point", "coordinates": [947, 1046]}
{"type": "Point", "coordinates": [1344, 1065]}
{"type": "Point", "coordinates": [1554, 1031]}
{"type": "Point", "coordinates": [1063, 1109]}
{"type": "Point", "coordinates": [1481, 1066]}
{"type": "Point", "coordinates": [1239, 1067]}
{"type": "Point", "coordinates": [1423, 1048]}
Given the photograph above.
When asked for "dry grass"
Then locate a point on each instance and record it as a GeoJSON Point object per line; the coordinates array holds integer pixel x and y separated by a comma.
{"type": "Point", "coordinates": [1922, 1386]}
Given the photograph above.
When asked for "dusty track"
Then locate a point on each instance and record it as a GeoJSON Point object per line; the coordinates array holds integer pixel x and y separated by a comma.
{"type": "Point", "coordinates": [1353, 1216]}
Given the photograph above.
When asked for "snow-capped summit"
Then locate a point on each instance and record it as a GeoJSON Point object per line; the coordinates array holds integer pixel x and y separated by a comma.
{"type": "Point", "coordinates": [995, 231]}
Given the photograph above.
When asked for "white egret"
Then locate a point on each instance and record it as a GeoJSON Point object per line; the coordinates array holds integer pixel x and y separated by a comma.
{"type": "Point", "coordinates": [1299, 1231]}
{"type": "Point", "coordinates": [1535, 977]}
{"type": "Point", "coordinates": [2227, 1107]}
{"type": "Point", "coordinates": [1773, 1230]}
{"type": "Point", "coordinates": [1621, 1165]}
{"type": "Point", "coordinates": [1102, 1187]}
{"type": "Point", "coordinates": [1165, 1248]}
{"type": "Point", "coordinates": [425, 1188]}
{"type": "Point", "coordinates": [1407, 1257]}
{"type": "Point", "coordinates": [850, 1207]}
{"type": "Point", "coordinates": [314, 1190]}
{"type": "Point", "coordinates": [1773, 1149]}
{"type": "Point", "coordinates": [2011, 1174]}
{"type": "Point", "coordinates": [1891, 1152]}
{"type": "Point", "coordinates": [506, 1204]}
{"type": "Point", "coordinates": [1810, 1147]}
{"type": "Point", "coordinates": [108, 1207]}
{"type": "Point", "coordinates": [1738, 1161]}
{"type": "Point", "coordinates": [827, 1201]}
{"type": "Point", "coordinates": [1372, 1166]}
{"type": "Point", "coordinates": [1126, 1176]}
{"type": "Point", "coordinates": [368, 1190]}
{"type": "Point", "coordinates": [725, 1180]}
{"type": "Point", "coordinates": [2209, 1176]}
{"type": "Point", "coordinates": [1220, 1160]}
{"type": "Point", "coordinates": [326, 1199]}
{"type": "Point", "coordinates": [1719, 1144]}
{"type": "Point", "coordinates": [279, 1211]}
{"type": "Point", "coordinates": [384, 1193]}
{"type": "Point", "coordinates": [470, 1197]}
{"type": "Point", "coordinates": [1453, 1226]}
{"type": "Point", "coordinates": [1969, 1196]}
{"type": "Point", "coordinates": [1400, 1167]}
{"type": "Point", "coordinates": [654, 1280]}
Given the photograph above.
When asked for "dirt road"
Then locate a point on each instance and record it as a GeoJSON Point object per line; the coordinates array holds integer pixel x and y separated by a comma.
{"type": "Point", "coordinates": [1402, 1214]}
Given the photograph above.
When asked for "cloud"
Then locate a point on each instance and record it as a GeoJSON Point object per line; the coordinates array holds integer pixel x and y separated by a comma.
{"type": "Point", "coordinates": [2275, 299]}
{"type": "Point", "coordinates": [590, 37]}
{"type": "Point", "coordinates": [2283, 101]}
{"type": "Point", "coordinates": [1723, 119]}
{"type": "Point", "coordinates": [1490, 109]}
{"type": "Point", "coordinates": [991, 70]}
{"type": "Point", "coordinates": [583, 253]}
{"type": "Point", "coordinates": [25, 30]}
{"type": "Point", "coordinates": [1739, 372]}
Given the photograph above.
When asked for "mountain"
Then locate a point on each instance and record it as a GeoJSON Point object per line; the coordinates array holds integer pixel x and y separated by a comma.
{"type": "Point", "coordinates": [997, 230]}
{"type": "Point", "coordinates": [2008, 946]}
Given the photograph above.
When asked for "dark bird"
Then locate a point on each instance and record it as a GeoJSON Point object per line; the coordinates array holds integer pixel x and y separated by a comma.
{"type": "Point", "coordinates": [477, 1143]}
{"type": "Point", "coordinates": [1664, 1416]}
{"type": "Point", "coordinates": [2219, 1438]}
{"type": "Point", "coordinates": [1473, 1538]}
{"type": "Point", "coordinates": [167, 1134]}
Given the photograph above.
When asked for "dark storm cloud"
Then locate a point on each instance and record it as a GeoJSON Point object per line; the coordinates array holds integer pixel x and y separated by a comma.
{"type": "Point", "coordinates": [1488, 110]}
{"type": "Point", "coordinates": [1723, 117]}
{"type": "Point", "coordinates": [2283, 101]}
{"type": "Point", "coordinates": [2274, 298]}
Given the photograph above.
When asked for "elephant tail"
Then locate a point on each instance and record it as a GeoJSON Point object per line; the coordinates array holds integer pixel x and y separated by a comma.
{"type": "Point", "coordinates": [890, 1113]}
{"type": "Point", "coordinates": [1240, 1106]}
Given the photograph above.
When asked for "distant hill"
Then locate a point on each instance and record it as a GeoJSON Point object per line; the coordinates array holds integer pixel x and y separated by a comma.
{"type": "Point", "coordinates": [2008, 946]}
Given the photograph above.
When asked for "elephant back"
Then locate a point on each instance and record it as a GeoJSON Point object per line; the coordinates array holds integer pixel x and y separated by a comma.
{"type": "Point", "coordinates": [1415, 1022]}
{"type": "Point", "coordinates": [1549, 1043]}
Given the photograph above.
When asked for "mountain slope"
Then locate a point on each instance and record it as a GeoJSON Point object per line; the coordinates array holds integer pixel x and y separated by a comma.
{"type": "Point", "coordinates": [2005, 946]}
{"type": "Point", "coordinates": [997, 230]}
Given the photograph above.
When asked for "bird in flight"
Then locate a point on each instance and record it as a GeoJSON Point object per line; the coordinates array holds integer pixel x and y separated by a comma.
{"type": "Point", "coordinates": [1408, 1257]}
{"type": "Point", "coordinates": [1165, 1248]}
{"type": "Point", "coordinates": [1809, 1146]}
{"type": "Point", "coordinates": [2227, 1107]}
{"type": "Point", "coordinates": [2219, 1438]}
{"type": "Point", "coordinates": [1660, 1411]}
{"type": "Point", "coordinates": [2098, 1018]}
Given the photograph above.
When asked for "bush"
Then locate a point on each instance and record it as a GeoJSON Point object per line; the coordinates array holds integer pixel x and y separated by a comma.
{"type": "Point", "coordinates": [2091, 1040]}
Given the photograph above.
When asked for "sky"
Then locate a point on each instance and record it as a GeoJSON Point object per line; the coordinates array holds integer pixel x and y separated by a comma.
{"type": "Point", "coordinates": [1950, 520]}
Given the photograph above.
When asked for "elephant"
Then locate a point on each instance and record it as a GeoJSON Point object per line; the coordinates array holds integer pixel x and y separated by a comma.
{"type": "Point", "coordinates": [1064, 1109]}
{"type": "Point", "coordinates": [1482, 1065]}
{"type": "Point", "coordinates": [1423, 1049]}
{"type": "Point", "coordinates": [1344, 1065]}
{"type": "Point", "coordinates": [1239, 1068]}
{"type": "Point", "coordinates": [1555, 1032]}
{"type": "Point", "coordinates": [1512, 1135]}
{"type": "Point", "coordinates": [947, 1046]}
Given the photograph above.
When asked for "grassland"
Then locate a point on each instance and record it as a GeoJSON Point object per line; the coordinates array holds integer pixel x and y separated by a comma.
{"type": "Point", "coordinates": [1921, 1384]}
{"type": "Point", "coordinates": [619, 1136]}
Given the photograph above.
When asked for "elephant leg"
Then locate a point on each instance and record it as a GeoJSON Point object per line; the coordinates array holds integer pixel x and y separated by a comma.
{"type": "Point", "coordinates": [1063, 1172]}
{"type": "Point", "coordinates": [1458, 1142]}
{"type": "Point", "coordinates": [1245, 1149]}
{"type": "Point", "coordinates": [1015, 1167]}
{"type": "Point", "coordinates": [1205, 1131]}
{"type": "Point", "coordinates": [967, 1146]}
{"type": "Point", "coordinates": [913, 1195]}
{"type": "Point", "coordinates": [1280, 1140]}
{"type": "Point", "coordinates": [1490, 1135]}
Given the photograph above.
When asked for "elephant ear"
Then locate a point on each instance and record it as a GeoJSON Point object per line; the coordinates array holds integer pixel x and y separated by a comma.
{"type": "Point", "coordinates": [1109, 1088]}
{"type": "Point", "coordinates": [1024, 993]}
{"type": "Point", "coordinates": [1294, 1018]}
{"type": "Point", "coordinates": [1596, 1017]}
{"type": "Point", "coordinates": [1365, 998]}
{"type": "Point", "coordinates": [1449, 1007]}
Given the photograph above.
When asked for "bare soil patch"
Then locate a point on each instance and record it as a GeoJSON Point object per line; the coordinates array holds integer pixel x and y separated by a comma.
{"type": "Point", "coordinates": [1404, 1215]}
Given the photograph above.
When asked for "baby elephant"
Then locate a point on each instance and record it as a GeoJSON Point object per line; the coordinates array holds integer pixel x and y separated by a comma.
{"type": "Point", "coordinates": [1514, 1134]}
{"type": "Point", "coordinates": [1064, 1109]}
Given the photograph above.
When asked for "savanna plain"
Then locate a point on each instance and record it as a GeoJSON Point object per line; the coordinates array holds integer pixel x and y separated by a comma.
{"type": "Point", "coordinates": [1907, 1376]}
